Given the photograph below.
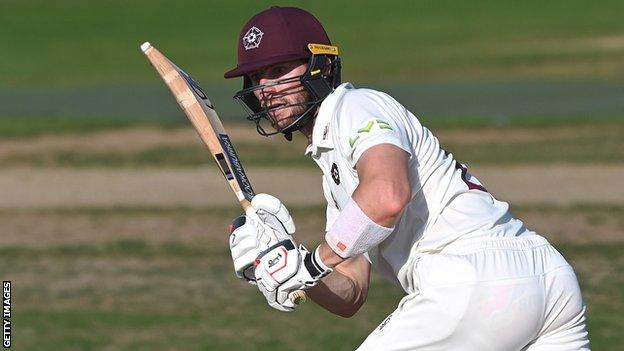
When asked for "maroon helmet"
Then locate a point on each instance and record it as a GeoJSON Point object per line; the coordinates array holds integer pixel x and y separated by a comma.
{"type": "Point", "coordinates": [284, 34]}
{"type": "Point", "coordinates": [279, 34]}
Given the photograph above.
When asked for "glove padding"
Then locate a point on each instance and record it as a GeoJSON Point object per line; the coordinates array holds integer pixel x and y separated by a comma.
{"type": "Point", "coordinates": [266, 223]}
{"type": "Point", "coordinates": [273, 213]}
{"type": "Point", "coordinates": [284, 268]}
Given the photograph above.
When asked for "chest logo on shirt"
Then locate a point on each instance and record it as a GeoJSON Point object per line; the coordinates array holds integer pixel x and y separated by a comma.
{"type": "Point", "coordinates": [335, 175]}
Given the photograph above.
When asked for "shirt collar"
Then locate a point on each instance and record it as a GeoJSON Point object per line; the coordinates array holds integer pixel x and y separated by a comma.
{"type": "Point", "coordinates": [322, 131]}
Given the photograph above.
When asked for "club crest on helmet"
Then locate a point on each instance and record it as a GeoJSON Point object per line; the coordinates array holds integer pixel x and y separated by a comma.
{"type": "Point", "coordinates": [252, 38]}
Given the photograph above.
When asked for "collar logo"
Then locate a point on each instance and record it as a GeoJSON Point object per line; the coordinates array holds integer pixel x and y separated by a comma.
{"type": "Point", "coordinates": [252, 38]}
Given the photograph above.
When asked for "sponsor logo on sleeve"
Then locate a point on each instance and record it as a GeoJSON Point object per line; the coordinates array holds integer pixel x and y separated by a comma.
{"type": "Point", "coordinates": [367, 127]}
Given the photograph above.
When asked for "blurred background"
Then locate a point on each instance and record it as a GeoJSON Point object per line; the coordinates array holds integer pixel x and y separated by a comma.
{"type": "Point", "coordinates": [112, 216]}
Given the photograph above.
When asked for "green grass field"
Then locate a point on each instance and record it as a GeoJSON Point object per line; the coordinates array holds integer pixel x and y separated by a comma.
{"type": "Point", "coordinates": [73, 43]}
{"type": "Point", "coordinates": [160, 278]}
{"type": "Point", "coordinates": [143, 278]}
{"type": "Point", "coordinates": [588, 143]}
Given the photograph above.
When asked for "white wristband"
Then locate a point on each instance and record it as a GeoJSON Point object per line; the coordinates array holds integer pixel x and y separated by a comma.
{"type": "Point", "coordinates": [354, 233]}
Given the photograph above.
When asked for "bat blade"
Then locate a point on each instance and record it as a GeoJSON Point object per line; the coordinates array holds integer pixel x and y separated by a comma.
{"type": "Point", "coordinates": [200, 111]}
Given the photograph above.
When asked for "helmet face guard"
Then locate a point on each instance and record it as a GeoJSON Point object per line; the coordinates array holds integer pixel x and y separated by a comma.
{"type": "Point", "coordinates": [319, 80]}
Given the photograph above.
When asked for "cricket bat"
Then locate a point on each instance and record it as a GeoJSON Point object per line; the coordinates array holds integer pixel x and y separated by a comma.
{"type": "Point", "coordinates": [200, 111]}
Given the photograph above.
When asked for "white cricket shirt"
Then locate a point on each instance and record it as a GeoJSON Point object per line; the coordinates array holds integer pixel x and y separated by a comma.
{"type": "Point", "coordinates": [447, 202]}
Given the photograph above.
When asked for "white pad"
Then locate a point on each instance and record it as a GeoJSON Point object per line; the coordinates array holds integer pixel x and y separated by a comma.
{"type": "Point", "coordinates": [353, 233]}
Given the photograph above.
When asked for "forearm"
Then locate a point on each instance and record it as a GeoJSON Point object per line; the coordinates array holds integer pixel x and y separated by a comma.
{"type": "Point", "coordinates": [329, 256]}
{"type": "Point", "coordinates": [364, 222]}
{"type": "Point", "coordinates": [344, 290]}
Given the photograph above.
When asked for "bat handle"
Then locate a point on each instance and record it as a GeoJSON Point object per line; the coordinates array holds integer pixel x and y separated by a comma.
{"type": "Point", "coordinates": [298, 297]}
{"type": "Point", "coordinates": [246, 204]}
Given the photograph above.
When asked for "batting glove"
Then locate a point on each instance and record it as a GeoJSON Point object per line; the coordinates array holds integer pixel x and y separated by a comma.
{"type": "Point", "coordinates": [273, 213]}
{"type": "Point", "coordinates": [266, 223]}
{"type": "Point", "coordinates": [284, 268]}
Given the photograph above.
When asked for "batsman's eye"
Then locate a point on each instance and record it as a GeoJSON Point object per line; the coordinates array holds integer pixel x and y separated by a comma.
{"type": "Point", "coordinates": [278, 71]}
{"type": "Point", "coordinates": [255, 78]}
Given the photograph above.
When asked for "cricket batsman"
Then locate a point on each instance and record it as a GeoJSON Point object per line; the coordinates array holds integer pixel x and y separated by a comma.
{"type": "Point", "coordinates": [475, 278]}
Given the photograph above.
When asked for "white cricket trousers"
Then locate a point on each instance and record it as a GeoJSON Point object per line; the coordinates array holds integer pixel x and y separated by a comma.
{"type": "Point", "coordinates": [499, 294]}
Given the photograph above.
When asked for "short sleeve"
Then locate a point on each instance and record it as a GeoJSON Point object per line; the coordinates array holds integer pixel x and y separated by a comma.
{"type": "Point", "coordinates": [366, 120]}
